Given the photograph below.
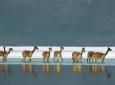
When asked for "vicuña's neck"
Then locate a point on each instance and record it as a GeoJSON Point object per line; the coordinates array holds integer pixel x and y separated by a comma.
{"type": "Point", "coordinates": [33, 50]}
{"type": "Point", "coordinates": [106, 52]}
{"type": "Point", "coordinates": [49, 51]}
{"type": "Point", "coordinates": [81, 53]}
{"type": "Point", "coordinates": [9, 51]}
{"type": "Point", "coordinates": [60, 50]}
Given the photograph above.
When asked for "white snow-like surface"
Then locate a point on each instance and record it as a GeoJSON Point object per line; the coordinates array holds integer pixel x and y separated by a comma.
{"type": "Point", "coordinates": [67, 52]}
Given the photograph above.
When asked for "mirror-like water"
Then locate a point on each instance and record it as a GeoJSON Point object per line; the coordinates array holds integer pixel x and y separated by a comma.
{"type": "Point", "coordinates": [46, 74]}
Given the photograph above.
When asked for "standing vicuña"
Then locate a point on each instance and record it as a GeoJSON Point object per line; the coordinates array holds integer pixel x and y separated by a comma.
{"type": "Point", "coordinates": [76, 56]}
{"type": "Point", "coordinates": [4, 54]}
{"type": "Point", "coordinates": [28, 53]}
{"type": "Point", "coordinates": [58, 55]}
{"type": "Point", "coordinates": [90, 56]}
{"type": "Point", "coordinates": [98, 55]}
{"type": "Point", "coordinates": [46, 55]}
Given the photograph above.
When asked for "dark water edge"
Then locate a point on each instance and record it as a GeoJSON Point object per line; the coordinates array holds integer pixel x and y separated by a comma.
{"type": "Point", "coordinates": [28, 74]}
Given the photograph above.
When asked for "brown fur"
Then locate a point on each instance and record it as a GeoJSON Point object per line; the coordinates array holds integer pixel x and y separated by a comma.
{"type": "Point", "coordinates": [97, 55]}
{"type": "Point", "coordinates": [58, 55]}
{"type": "Point", "coordinates": [90, 56]}
{"type": "Point", "coordinates": [4, 54]}
{"type": "Point", "coordinates": [77, 55]}
{"type": "Point", "coordinates": [27, 53]}
{"type": "Point", "coordinates": [46, 55]}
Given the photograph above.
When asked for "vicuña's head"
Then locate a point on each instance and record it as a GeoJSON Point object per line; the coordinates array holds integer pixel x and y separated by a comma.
{"type": "Point", "coordinates": [10, 49]}
{"type": "Point", "coordinates": [62, 48]}
{"type": "Point", "coordinates": [50, 49]}
{"type": "Point", "coordinates": [109, 49]}
{"type": "Point", "coordinates": [35, 47]}
{"type": "Point", "coordinates": [83, 49]}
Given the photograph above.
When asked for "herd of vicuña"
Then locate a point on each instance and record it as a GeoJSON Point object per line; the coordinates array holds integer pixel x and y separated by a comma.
{"type": "Point", "coordinates": [92, 56]}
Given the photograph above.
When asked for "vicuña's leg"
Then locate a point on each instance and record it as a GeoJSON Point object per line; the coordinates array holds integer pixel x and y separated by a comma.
{"type": "Point", "coordinates": [80, 59]}
{"type": "Point", "coordinates": [43, 59]}
{"type": "Point", "coordinates": [73, 59]}
{"type": "Point", "coordinates": [96, 60]}
{"type": "Point", "coordinates": [4, 58]}
{"type": "Point", "coordinates": [77, 60]}
{"type": "Point", "coordinates": [61, 59]}
{"type": "Point", "coordinates": [87, 59]}
{"type": "Point", "coordinates": [102, 60]}
{"type": "Point", "coordinates": [55, 59]}
{"type": "Point", "coordinates": [48, 59]}
{"type": "Point", "coordinates": [93, 60]}
{"type": "Point", "coordinates": [30, 59]}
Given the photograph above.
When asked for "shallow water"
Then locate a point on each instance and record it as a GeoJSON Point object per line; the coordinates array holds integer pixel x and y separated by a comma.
{"type": "Point", "coordinates": [39, 61]}
{"type": "Point", "coordinates": [58, 74]}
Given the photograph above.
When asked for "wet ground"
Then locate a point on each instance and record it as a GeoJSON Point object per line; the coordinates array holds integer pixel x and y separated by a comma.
{"type": "Point", "coordinates": [66, 73]}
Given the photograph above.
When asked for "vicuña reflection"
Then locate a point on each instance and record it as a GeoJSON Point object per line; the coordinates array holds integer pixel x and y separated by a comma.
{"type": "Point", "coordinates": [55, 70]}
{"type": "Point", "coordinates": [27, 68]}
{"type": "Point", "coordinates": [5, 69]}
{"type": "Point", "coordinates": [99, 69]}
{"type": "Point", "coordinates": [77, 68]}
{"type": "Point", "coordinates": [46, 68]}
{"type": "Point", "coordinates": [58, 69]}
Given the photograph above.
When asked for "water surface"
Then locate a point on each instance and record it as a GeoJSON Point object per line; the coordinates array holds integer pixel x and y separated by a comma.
{"type": "Point", "coordinates": [30, 73]}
